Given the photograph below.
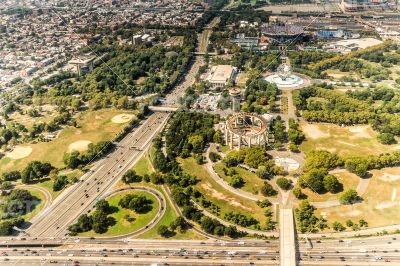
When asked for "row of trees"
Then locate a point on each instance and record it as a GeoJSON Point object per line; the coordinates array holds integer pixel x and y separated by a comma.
{"type": "Point", "coordinates": [76, 159]}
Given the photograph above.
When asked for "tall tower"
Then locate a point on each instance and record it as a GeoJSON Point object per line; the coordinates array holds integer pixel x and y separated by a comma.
{"type": "Point", "coordinates": [235, 97]}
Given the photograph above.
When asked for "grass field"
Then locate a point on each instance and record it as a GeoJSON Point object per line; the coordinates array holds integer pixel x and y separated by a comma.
{"type": "Point", "coordinates": [123, 226]}
{"type": "Point", "coordinates": [94, 126]}
{"type": "Point", "coordinates": [345, 141]}
{"type": "Point", "coordinates": [348, 180]}
{"type": "Point", "coordinates": [253, 183]}
{"type": "Point", "coordinates": [227, 201]}
{"type": "Point", "coordinates": [381, 202]}
{"type": "Point", "coordinates": [143, 166]}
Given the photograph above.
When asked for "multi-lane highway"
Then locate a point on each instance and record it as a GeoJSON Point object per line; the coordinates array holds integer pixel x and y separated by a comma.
{"type": "Point", "coordinates": [54, 221]}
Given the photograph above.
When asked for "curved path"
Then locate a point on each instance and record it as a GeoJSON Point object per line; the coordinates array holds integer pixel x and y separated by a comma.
{"type": "Point", "coordinates": [175, 207]}
{"type": "Point", "coordinates": [205, 212]}
{"type": "Point", "coordinates": [225, 185]}
{"type": "Point", "coordinates": [361, 188]}
{"type": "Point", "coordinates": [46, 193]}
{"type": "Point", "coordinates": [161, 200]}
{"type": "Point", "coordinates": [240, 228]}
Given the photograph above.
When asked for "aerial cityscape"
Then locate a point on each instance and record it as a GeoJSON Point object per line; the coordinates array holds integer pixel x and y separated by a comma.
{"type": "Point", "coordinates": [200, 132]}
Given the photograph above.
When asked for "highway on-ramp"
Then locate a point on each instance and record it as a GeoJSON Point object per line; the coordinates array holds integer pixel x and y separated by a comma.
{"type": "Point", "coordinates": [54, 221]}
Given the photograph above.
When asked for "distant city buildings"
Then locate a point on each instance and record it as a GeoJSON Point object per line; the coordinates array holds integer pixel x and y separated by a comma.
{"type": "Point", "coordinates": [364, 5]}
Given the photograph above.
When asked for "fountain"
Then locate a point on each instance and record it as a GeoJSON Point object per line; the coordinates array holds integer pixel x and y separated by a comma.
{"type": "Point", "coordinates": [284, 78]}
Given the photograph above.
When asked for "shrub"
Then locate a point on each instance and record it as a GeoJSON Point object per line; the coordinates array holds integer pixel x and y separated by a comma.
{"type": "Point", "coordinates": [284, 183]}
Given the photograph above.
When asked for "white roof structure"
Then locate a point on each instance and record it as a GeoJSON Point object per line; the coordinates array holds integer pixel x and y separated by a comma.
{"type": "Point", "coordinates": [221, 74]}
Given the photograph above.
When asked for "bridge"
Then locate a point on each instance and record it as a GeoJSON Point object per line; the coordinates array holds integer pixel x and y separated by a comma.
{"type": "Point", "coordinates": [163, 108]}
{"type": "Point", "coordinates": [287, 237]}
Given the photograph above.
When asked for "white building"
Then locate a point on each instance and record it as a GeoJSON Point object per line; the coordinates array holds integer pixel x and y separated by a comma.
{"type": "Point", "coordinates": [220, 75]}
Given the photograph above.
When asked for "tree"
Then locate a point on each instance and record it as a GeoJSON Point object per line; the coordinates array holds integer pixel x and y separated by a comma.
{"type": "Point", "coordinates": [349, 223]}
{"type": "Point", "coordinates": [101, 222]}
{"type": "Point", "coordinates": [298, 193]}
{"type": "Point", "coordinates": [363, 223]}
{"type": "Point", "coordinates": [214, 157]}
{"type": "Point", "coordinates": [313, 179]}
{"type": "Point", "coordinates": [104, 207]}
{"type": "Point", "coordinates": [255, 157]}
{"type": "Point", "coordinates": [264, 203]}
{"type": "Point", "coordinates": [163, 231]}
{"type": "Point", "coordinates": [349, 197]}
{"type": "Point", "coordinates": [236, 181]}
{"type": "Point", "coordinates": [338, 227]}
{"type": "Point", "coordinates": [305, 217]}
{"type": "Point", "coordinates": [332, 184]}
{"type": "Point", "coordinates": [386, 138]}
{"type": "Point", "coordinates": [293, 147]}
{"type": "Point", "coordinates": [179, 223]}
{"type": "Point", "coordinates": [11, 176]}
{"type": "Point", "coordinates": [130, 176]}
{"type": "Point", "coordinates": [138, 203]}
{"type": "Point", "coordinates": [60, 182]}
{"type": "Point", "coordinates": [267, 190]}
{"type": "Point", "coordinates": [197, 142]}
{"type": "Point", "coordinates": [85, 223]}
{"type": "Point", "coordinates": [284, 183]}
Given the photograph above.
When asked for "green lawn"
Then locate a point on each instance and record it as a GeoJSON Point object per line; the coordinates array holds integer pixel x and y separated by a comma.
{"type": "Point", "coordinates": [253, 183]}
{"type": "Point", "coordinates": [168, 217]}
{"type": "Point", "coordinates": [123, 226]}
{"type": "Point", "coordinates": [95, 126]}
{"type": "Point", "coordinates": [227, 201]}
{"type": "Point", "coordinates": [143, 166]}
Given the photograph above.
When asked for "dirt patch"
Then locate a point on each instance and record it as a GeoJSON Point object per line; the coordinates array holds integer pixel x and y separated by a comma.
{"type": "Point", "coordinates": [80, 145]}
{"type": "Point", "coordinates": [19, 152]}
{"type": "Point", "coordinates": [336, 75]}
{"type": "Point", "coordinates": [122, 118]}
{"type": "Point", "coordinates": [389, 177]}
{"type": "Point", "coordinates": [346, 143]}
{"type": "Point", "coordinates": [218, 195]}
{"type": "Point", "coordinates": [388, 204]}
{"type": "Point", "coordinates": [351, 213]}
{"type": "Point", "coordinates": [360, 132]}
{"type": "Point", "coordinates": [313, 131]}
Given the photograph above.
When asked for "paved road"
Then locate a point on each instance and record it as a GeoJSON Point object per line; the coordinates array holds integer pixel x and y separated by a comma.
{"type": "Point", "coordinates": [82, 198]}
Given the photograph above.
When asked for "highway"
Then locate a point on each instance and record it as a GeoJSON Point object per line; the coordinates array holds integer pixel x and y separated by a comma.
{"type": "Point", "coordinates": [54, 221]}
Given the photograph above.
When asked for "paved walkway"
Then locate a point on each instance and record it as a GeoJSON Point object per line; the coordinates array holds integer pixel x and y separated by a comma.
{"type": "Point", "coordinates": [287, 238]}
{"type": "Point", "coordinates": [225, 185]}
